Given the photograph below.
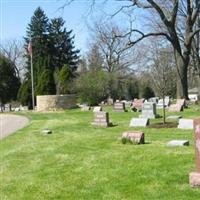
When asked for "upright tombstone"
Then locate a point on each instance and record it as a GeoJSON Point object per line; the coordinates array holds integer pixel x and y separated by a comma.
{"type": "Point", "coordinates": [97, 109]}
{"type": "Point", "coordinates": [194, 177]}
{"type": "Point", "coordinates": [148, 110]}
{"type": "Point", "coordinates": [110, 101]}
{"type": "Point", "coordinates": [166, 102]}
{"type": "Point", "coordinates": [7, 107]}
{"type": "Point", "coordinates": [119, 107]}
{"type": "Point", "coordinates": [137, 104]}
{"type": "Point", "coordinates": [136, 137]}
{"type": "Point", "coordinates": [178, 107]}
{"type": "Point", "coordinates": [101, 119]}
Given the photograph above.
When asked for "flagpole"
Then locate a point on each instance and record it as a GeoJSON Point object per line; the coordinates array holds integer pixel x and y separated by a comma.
{"type": "Point", "coordinates": [32, 81]}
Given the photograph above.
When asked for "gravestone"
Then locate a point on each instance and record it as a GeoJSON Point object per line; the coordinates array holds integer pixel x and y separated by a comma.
{"type": "Point", "coordinates": [110, 101]}
{"type": "Point", "coordinates": [175, 143]}
{"type": "Point", "coordinates": [119, 107]}
{"type": "Point", "coordinates": [17, 109]}
{"type": "Point", "coordinates": [194, 177]}
{"type": "Point", "coordinates": [7, 107]}
{"type": "Point", "coordinates": [193, 97]}
{"type": "Point", "coordinates": [175, 117]}
{"type": "Point", "coordinates": [178, 107]}
{"type": "Point", "coordinates": [181, 102]}
{"type": "Point", "coordinates": [185, 124]}
{"type": "Point", "coordinates": [97, 109]}
{"type": "Point", "coordinates": [166, 103]}
{"type": "Point", "coordinates": [135, 137]}
{"type": "Point", "coordinates": [24, 108]}
{"type": "Point", "coordinates": [154, 99]}
{"type": "Point", "coordinates": [85, 108]}
{"type": "Point", "coordinates": [175, 108]}
{"type": "Point", "coordinates": [47, 131]}
{"type": "Point", "coordinates": [137, 104]}
{"type": "Point", "coordinates": [139, 122]}
{"type": "Point", "coordinates": [101, 119]}
{"type": "Point", "coordinates": [148, 110]}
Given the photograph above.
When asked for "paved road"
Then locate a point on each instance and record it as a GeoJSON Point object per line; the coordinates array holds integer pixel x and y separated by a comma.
{"type": "Point", "coordinates": [10, 123]}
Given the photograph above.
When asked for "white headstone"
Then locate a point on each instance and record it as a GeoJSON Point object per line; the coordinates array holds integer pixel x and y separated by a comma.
{"type": "Point", "coordinates": [176, 117]}
{"type": "Point", "coordinates": [185, 124]}
{"type": "Point", "coordinates": [97, 109]}
{"type": "Point", "coordinates": [148, 110]}
{"type": "Point", "coordinates": [139, 122]}
{"type": "Point", "coordinates": [174, 143]}
{"type": "Point", "coordinates": [193, 97]}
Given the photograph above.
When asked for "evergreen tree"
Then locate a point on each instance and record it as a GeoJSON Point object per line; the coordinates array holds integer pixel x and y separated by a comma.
{"type": "Point", "coordinates": [9, 81]}
{"type": "Point", "coordinates": [37, 32]}
{"type": "Point", "coordinates": [53, 48]}
{"type": "Point", "coordinates": [63, 85]}
{"type": "Point", "coordinates": [62, 45]}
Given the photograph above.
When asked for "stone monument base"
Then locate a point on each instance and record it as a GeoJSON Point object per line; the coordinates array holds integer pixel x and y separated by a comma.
{"type": "Point", "coordinates": [194, 179]}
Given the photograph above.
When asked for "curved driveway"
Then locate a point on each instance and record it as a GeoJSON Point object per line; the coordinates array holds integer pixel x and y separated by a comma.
{"type": "Point", "coordinates": [10, 123]}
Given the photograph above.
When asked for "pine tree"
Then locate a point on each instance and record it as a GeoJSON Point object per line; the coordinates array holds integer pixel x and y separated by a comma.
{"type": "Point", "coordinates": [63, 49]}
{"type": "Point", "coordinates": [37, 32]}
{"type": "Point", "coordinates": [53, 48]}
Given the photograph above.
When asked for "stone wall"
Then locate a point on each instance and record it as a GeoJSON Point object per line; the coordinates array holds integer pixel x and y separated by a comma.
{"type": "Point", "coordinates": [55, 102]}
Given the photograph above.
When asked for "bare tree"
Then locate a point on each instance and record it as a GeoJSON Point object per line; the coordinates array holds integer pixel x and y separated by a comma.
{"type": "Point", "coordinates": [117, 55]}
{"type": "Point", "coordinates": [162, 71]}
{"type": "Point", "coordinates": [168, 12]}
{"type": "Point", "coordinates": [14, 51]}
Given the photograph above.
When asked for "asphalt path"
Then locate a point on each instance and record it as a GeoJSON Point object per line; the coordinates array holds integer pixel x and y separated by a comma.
{"type": "Point", "coordinates": [10, 123]}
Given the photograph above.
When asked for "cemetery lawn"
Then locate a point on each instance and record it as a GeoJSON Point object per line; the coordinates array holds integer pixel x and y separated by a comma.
{"type": "Point", "coordinates": [79, 161]}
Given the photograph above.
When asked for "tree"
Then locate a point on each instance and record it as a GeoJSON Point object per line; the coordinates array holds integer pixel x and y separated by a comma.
{"type": "Point", "coordinates": [170, 17]}
{"type": "Point", "coordinates": [95, 58]}
{"type": "Point", "coordinates": [13, 50]}
{"type": "Point", "coordinates": [162, 73]}
{"type": "Point", "coordinates": [9, 81]}
{"type": "Point", "coordinates": [53, 48]}
{"type": "Point", "coordinates": [38, 36]}
{"type": "Point", "coordinates": [64, 80]}
{"type": "Point", "coordinates": [92, 87]}
{"type": "Point", "coordinates": [62, 45]}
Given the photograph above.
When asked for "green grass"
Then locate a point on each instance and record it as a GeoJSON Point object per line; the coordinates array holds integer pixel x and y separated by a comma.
{"type": "Point", "coordinates": [79, 161]}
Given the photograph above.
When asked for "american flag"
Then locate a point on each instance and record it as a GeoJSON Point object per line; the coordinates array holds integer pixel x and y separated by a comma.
{"type": "Point", "coordinates": [30, 48]}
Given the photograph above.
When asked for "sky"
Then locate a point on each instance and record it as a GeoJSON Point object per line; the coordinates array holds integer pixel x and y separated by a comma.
{"type": "Point", "coordinates": [16, 14]}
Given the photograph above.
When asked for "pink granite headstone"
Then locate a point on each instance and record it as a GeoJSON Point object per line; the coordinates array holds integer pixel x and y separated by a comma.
{"type": "Point", "coordinates": [195, 176]}
{"type": "Point", "coordinates": [135, 136]}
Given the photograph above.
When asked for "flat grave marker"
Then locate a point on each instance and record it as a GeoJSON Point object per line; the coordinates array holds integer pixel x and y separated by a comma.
{"type": "Point", "coordinates": [175, 143]}
{"type": "Point", "coordinates": [185, 124]}
{"type": "Point", "coordinates": [139, 122]}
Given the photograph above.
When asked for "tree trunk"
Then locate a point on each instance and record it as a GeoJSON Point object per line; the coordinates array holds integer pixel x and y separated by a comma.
{"type": "Point", "coordinates": [198, 86]}
{"type": "Point", "coordinates": [182, 79]}
{"type": "Point", "coordinates": [164, 117]}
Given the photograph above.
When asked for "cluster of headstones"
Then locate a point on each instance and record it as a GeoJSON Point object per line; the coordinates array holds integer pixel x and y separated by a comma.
{"type": "Point", "coordinates": [101, 118]}
{"type": "Point", "coordinates": [9, 108]}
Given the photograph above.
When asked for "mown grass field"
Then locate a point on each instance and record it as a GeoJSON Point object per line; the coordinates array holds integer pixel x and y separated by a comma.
{"type": "Point", "coordinates": [79, 161]}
